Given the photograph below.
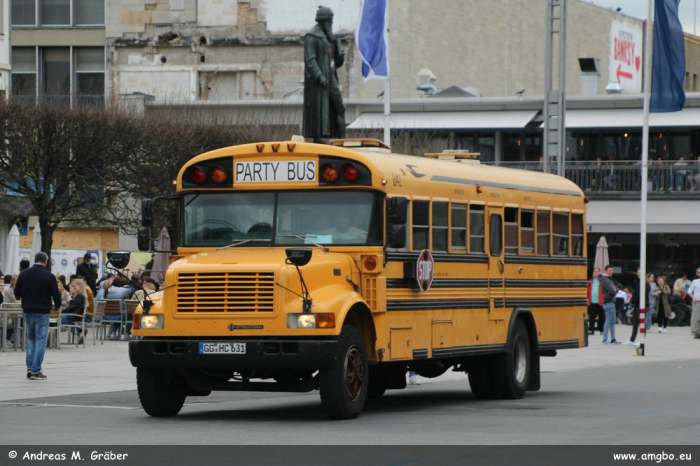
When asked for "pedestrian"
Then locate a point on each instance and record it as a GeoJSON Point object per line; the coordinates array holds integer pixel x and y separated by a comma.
{"type": "Point", "coordinates": [681, 285]}
{"type": "Point", "coordinates": [664, 306]}
{"type": "Point", "coordinates": [653, 295]}
{"type": "Point", "coordinates": [149, 264]}
{"type": "Point", "coordinates": [36, 287]}
{"type": "Point", "coordinates": [636, 303]}
{"type": "Point", "coordinates": [23, 265]}
{"type": "Point", "coordinates": [594, 307]}
{"type": "Point", "coordinates": [609, 291]}
{"type": "Point", "coordinates": [694, 292]}
{"type": "Point", "coordinates": [85, 270]}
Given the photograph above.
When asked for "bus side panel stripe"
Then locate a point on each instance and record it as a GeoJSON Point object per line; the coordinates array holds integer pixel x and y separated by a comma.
{"type": "Point", "coordinates": [493, 184]}
{"type": "Point", "coordinates": [436, 305]}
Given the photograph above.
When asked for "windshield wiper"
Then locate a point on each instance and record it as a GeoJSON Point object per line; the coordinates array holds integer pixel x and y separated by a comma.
{"type": "Point", "coordinates": [243, 241]}
{"type": "Point", "coordinates": [305, 237]}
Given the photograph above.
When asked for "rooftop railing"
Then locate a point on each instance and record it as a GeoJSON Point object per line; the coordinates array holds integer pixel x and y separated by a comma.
{"type": "Point", "coordinates": [625, 176]}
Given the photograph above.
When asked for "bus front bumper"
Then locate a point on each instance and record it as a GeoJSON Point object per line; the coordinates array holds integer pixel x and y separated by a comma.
{"type": "Point", "coordinates": [259, 354]}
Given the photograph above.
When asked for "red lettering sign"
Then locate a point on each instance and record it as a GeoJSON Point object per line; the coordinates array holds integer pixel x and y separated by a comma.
{"type": "Point", "coordinates": [425, 270]}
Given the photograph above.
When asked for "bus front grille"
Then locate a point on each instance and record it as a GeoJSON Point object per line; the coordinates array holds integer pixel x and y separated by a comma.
{"type": "Point", "coordinates": [226, 292]}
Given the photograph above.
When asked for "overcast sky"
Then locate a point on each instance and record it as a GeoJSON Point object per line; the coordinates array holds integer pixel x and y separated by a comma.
{"type": "Point", "coordinates": [638, 9]}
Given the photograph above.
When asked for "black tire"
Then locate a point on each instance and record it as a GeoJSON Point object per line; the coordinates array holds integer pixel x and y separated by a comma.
{"type": "Point", "coordinates": [158, 398]}
{"type": "Point", "coordinates": [344, 383]}
{"type": "Point", "coordinates": [678, 313]}
{"type": "Point", "coordinates": [512, 369]}
{"type": "Point", "coordinates": [376, 387]}
{"type": "Point", "coordinates": [481, 379]}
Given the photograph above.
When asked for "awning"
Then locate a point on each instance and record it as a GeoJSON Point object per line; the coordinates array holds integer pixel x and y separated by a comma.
{"type": "Point", "coordinates": [507, 119]}
{"type": "Point", "coordinates": [630, 118]}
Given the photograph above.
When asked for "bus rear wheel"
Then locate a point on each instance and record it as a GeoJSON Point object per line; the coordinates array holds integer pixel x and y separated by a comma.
{"type": "Point", "coordinates": [158, 397]}
{"type": "Point", "coordinates": [343, 384]}
{"type": "Point", "coordinates": [512, 369]}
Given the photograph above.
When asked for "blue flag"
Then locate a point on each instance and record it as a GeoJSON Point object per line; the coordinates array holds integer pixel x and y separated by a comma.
{"type": "Point", "coordinates": [372, 40]}
{"type": "Point", "coordinates": [668, 64]}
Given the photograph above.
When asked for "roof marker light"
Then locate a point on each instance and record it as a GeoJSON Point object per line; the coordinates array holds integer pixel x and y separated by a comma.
{"type": "Point", "coordinates": [350, 173]}
{"type": "Point", "coordinates": [218, 175]}
{"type": "Point", "coordinates": [260, 147]}
{"type": "Point", "coordinates": [275, 147]}
{"type": "Point", "coordinates": [198, 176]}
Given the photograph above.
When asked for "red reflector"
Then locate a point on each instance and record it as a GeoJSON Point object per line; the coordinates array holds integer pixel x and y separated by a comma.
{"type": "Point", "coordinates": [350, 173]}
{"type": "Point", "coordinates": [330, 174]}
{"type": "Point", "coordinates": [586, 200]}
{"type": "Point", "coordinates": [198, 176]}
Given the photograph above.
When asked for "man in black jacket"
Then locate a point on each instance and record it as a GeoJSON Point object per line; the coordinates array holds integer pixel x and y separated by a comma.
{"type": "Point", "coordinates": [635, 313]}
{"type": "Point", "coordinates": [36, 287]}
{"type": "Point", "coordinates": [85, 269]}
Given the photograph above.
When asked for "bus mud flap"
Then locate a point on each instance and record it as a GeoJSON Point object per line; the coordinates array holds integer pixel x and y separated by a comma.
{"type": "Point", "coordinates": [533, 384]}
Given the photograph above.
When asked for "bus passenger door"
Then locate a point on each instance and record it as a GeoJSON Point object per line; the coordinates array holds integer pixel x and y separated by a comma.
{"type": "Point", "coordinates": [496, 265]}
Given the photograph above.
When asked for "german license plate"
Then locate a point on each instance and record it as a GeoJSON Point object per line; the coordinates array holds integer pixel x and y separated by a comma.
{"type": "Point", "coordinates": [222, 348]}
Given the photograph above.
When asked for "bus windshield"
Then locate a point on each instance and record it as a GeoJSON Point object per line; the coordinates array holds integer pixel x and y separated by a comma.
{"type": "Point", "coordinates": [282, 218]}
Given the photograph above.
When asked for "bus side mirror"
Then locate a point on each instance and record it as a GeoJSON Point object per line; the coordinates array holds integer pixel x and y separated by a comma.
{"type": "Point", "coordinates": [118, 259]}
{"type": "Point", "coordinates": [144, 239]}
{"type": "Point", "coordinates": [398, 210]}
{"type": "Point", "coordinates": [397, 236]}
{"type": "Point", "coordinates": [147, 213]}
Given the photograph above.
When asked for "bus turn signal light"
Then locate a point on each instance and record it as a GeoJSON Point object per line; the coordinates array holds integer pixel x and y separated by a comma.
{"type": "Point", "coordinates": [350, 173]}
{"type": "Point", "coordinates": [218, 175]}
{"type": "Point", "coordinates": [325, 320]}
{"type": "Point", "coordinates": [330, 174]}
{"type": "Point", "coordinates": [479, 189]}
{"type": "Point", "coordinates": [198, 176]}
{"type": "Point", "coordinates": [370, 263]}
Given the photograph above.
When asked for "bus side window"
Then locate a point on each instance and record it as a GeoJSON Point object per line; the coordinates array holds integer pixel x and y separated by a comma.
{"type": "Point", "coordinates": [440, 226]}
{"type": "Point", "coordinates": [459, 227]}
{"type": "Point", "coordinates": [476, 229]}
{"type": "Point", "coordinates": [577, 234]}
{"type": "Point", "coordinates": [527, 232]}
{"type": "Point", "coordinates": [495, 235]}
{"type": "Point", "coordinates": [421, 224]}
{"type": "Point", "coordinates": [511, 227]}
{"type": "Point", "coordinates": [560, 232]}
{"type": "Point", "coordinates": [543, 232]}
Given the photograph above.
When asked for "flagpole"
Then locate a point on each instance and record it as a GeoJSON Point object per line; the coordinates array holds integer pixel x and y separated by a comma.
{"type": "Point", "coordinates": [387, 87]}
{"type": "Point", "coordinates": [387, 114]}
{"type": "Point", "coordinates": [645, 164]}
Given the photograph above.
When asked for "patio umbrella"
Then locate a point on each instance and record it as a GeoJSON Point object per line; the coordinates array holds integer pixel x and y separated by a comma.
{"type": "Point", "coordinates": [11, 265]}
{"type": "Point", "coordinates": [162, 258]}
{"type": "Point", "coordinates": [601, 254]}
{"type": "Point", "coordinates": [36, 241]}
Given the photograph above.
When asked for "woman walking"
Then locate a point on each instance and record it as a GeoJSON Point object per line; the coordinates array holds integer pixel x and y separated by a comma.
{"type": "Point", "coordinates": [663, 306]}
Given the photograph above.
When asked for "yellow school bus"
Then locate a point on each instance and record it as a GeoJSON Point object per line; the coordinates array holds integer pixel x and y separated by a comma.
{"type": "Point", "coordinates": [340, 267]}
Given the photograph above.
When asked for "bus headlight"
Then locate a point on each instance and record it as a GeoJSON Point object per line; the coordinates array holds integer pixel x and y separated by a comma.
{"type": "Point", "coordinates": [151, 322]}
{"type": "Point", "coordinates": [322, 320]}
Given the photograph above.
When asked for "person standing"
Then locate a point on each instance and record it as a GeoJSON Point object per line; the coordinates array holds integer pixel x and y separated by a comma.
{"type": "Point", "coordinates": [594, 300]}
{"type": "Point", "coordinates": [635, 301]}
{"type": "Point", "coordinates": [85, 269]}
{"type": "Point", "coordinates": [149, 264]}
{"type": "Point", "coordinates": [664, 306]}
{"type": "Point", "coordinates": [653, 295]}
{"type": "Point", "coordinates": [694, 292]}
{"type": "Point", "coordinates": [609, 291]}
{"type": "Point", "coordinates": [37, 287]}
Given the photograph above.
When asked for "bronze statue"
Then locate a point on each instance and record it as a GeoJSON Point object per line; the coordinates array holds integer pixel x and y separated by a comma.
{"type": "Point", "coordinates": [324, 111]}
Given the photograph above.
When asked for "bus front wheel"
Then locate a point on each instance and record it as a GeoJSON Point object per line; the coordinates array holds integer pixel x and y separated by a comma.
{"type": "Point", "coordinates": [512, 369]}
{"type": "Point", "coordinates": [158, 397]}
{"type": "Point", "coordinates": [343, 384]}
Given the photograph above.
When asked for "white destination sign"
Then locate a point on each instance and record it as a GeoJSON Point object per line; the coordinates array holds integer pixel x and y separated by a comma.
{"type": "Point", "coordinates": [263, 172]}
